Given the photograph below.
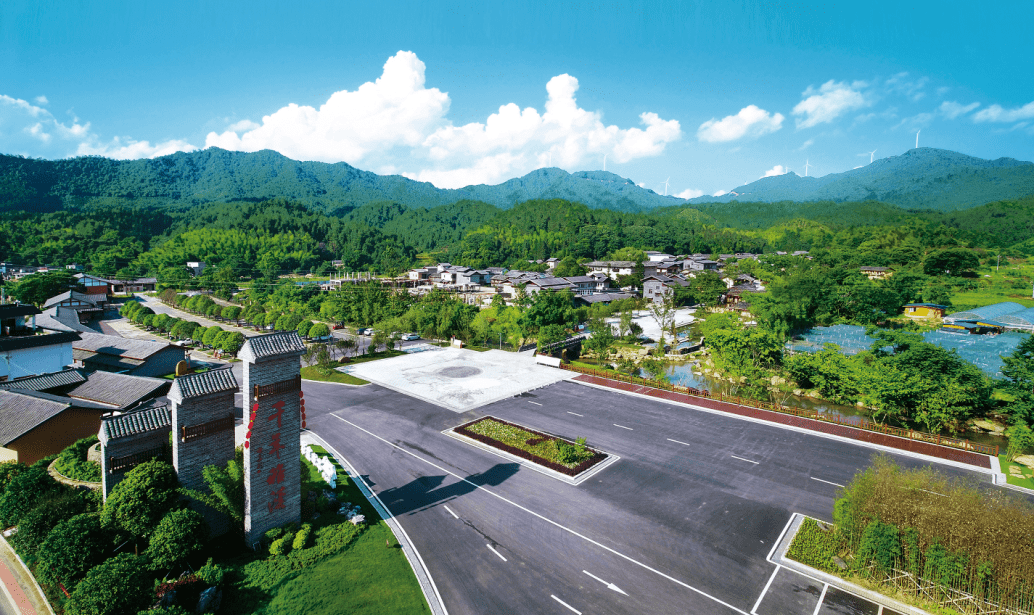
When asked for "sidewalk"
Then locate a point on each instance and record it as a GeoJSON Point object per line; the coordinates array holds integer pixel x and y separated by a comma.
{"type": "Point", "coordinates": [161, 308]}
{"type": "Point", "coordinates": [18, 584]}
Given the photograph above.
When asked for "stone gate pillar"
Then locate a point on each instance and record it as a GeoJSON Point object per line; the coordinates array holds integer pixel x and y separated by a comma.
{"type": "Point", "coordinates": [202, 431]}
{"type": "Point", "coordinates": [272, 412]}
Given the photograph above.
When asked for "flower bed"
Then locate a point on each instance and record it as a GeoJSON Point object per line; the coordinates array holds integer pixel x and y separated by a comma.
{"type": "Point", "coordinates": [534, 446]}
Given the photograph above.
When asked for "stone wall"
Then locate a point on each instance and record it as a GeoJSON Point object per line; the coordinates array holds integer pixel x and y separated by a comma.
{"type": "Point", "coordinates": [190, 454]}
{"type": "Point", "coordinates": [119, 448]}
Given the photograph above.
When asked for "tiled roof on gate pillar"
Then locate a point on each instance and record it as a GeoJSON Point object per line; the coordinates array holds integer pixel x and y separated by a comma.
{"type": "Point", "coordinates": [134, 423]}
{"type": "Point", "coordinates": [275, 344]}
{"type": "Point", "coordinates": [205, 383]}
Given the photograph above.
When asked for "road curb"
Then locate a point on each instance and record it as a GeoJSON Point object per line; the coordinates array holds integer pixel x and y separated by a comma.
{"type": "Point", "coordinates": [34, 593]}
{"type": "Point", "coordinates": [423, 575]}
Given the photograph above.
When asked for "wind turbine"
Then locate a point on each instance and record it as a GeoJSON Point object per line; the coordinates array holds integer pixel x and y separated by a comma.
{"type": "Point", "coordinates": [871, 155]}
{"type": "Point", "coordinates": [806, 165]}
{"type": "Point", "coordinates": [666, 187]}
{"type": "Point", "coordinates": [917, 139]}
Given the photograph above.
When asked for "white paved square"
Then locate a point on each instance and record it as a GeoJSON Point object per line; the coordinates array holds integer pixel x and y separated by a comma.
{"type": "Point", "coordinates": [460, 380]}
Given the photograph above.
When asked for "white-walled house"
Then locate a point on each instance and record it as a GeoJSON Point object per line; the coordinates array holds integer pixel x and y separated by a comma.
{"type": "Point", "coordinates": [29, 355]}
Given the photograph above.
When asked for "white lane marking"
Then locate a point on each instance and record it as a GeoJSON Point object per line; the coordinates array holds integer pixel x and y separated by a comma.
{"type": "Point", "coordinates": [827, 482]}
{"type": "Point", "coordinates": [754, 609]}
{"type": "Point", "coordinates": [547, 520]}
{"type": "Point", "coordinates": [496, 552]}
{"type": "Point", "coordinates": [575, 413]}
{"type": "Point", "coordinates": [623, 427]}
{"type": "Point", "coordinates": [742, 459]}
{"type": "Point", "coordinates": [535, 402]}
{"type": "Point", "coordinates": [822, 597]}
{"type": "Point", "coordinates": [677, 442]}
{"type": "Point", "coordinates": [609, 585]}
{"type": "Point", "coordinates": [450, 511]}
{"type": "Point", "coordinates": [571, 608]}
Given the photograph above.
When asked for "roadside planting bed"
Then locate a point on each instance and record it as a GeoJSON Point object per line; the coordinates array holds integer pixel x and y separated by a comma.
{"type": "Point", "coordinates": [551, 452]}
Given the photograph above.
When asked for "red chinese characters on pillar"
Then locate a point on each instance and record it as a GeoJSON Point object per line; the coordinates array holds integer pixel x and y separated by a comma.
{"type": "Point", "coordinates": [277, 473]}
{"type": "Point", "coordinates": [277, 500]}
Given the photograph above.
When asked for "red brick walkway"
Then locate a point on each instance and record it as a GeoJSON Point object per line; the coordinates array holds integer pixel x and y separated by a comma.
{"type": "Point", "coordinates": [20, 599]}
{"type": "Point", "coordinates": [914, 446]}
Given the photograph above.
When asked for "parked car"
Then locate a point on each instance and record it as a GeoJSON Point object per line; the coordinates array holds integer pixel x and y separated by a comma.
{"type": "Point", "coordinates": [336, 327]}
{"type": "Point", "coordinates": [410, 336]}
{"type": "Point", "coordinates": [363, 331]}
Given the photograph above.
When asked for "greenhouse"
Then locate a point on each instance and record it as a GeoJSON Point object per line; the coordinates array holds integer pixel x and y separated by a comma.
{"type": "Point", "coordinates": [1019, 320]}
{"type": "Point", "coordinates": [984, 351]}
{"type": "Point", "coordinates": [994, 312]}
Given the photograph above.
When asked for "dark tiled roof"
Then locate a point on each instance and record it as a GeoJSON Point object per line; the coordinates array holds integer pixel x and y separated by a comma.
{"type": "Point", "coordinates": [120, 390]}
{"type": "Point", "coordinates": [35, 341]}
{"type": "Point", "coordinates": [45, 382]}
{"type": "Point", "coordinates": [261, 346]}
{"type": "Point", "coordinates": [132, 423]}
{"type": "Point", "coordinates": [119, 346]}
{"type": "Point", "coordinates": [21, 413]}
{"type": "Point", "coordinates": [105, 362]}
{"type": "Point", "coordinates": [67, 320]}
{"type": "Point", "coordinates": [205, 383]}
{"type": "Point", "coordinates": [17, 309]}
{"type": "Point", "coordinates": [69, 295]}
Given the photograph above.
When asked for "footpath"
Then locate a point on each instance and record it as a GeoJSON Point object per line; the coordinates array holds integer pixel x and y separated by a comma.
{"type": "Point", "coordinates": [969, 458]}
{"type": "Point", "coordinates": [18, 586]}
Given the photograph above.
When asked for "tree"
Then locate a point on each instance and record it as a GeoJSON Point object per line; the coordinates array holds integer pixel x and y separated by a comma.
{"type": "Point", "coordinates": [550, 308]}
{"type": "Point", "coordinates": [323, 358]}
{"type": "Point", "coordinates": [25, 490]}
{"type": "Point", "coordinates": [568, 267]}
{"type": "Point", "coordinates": [231, 341]}
{"type": "Point", "coordinates": [1021, 440]}
{"type": "Point", "coordinates": [663, 313]}
{"type": "Point", "coordinates": [180, 534]}
{"type": "Point", "coordinates": [230, 312]}
{"type": "Point", "coordinates": [35, 525]}
{"type": "Point", "coordinates": [72, 548]}
{"type": "Point", "coordinates": [208, 339]}
{"type": "Point", "coordinates": [117, 586]}
{"type": "Point", "coordinates": [225, 490]}
{"type": "Point", "coordinates": [602, 339]}
{"type": "Point", "coordinates": [379, 339]}
{"type": "Point", "coordinates": [39, 287]}
{"type": "Point", "coordinates": [550, 334]}
{"type": "Point", "coordinates": [1018, 367]}
{"type": "Point", "coordinates": [953, 262]}
{"type": "Point", "coordinates": [319, 330]}
{"type": "Point", "coordinates": [304, 327]}
{"type": "Point", "coordinates": [708, 288]}
{"type": "Point", "coordinates": [139, 502]}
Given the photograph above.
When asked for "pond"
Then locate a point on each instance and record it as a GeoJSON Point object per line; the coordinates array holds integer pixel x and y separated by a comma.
{"type": "Point", "coordinates": [682, 374]}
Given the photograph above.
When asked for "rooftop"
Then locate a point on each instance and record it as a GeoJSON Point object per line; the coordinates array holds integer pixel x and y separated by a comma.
{"type": "Point", "coordinates": [114, 345]}
{"type": "Point", "coordinates": [45, 382]}
{"type": "Point", "coordinates": [205, 383]}
{"type": "Point", "coordinates": [21, 413]}
{"type": "Point", "coordinates": [119, 390]}
{"type": "Point", "coordinates": [69, 295]}
{"type": "Point", "coordinates": [20, 342]}
{"type": "Point", "coordinates": [262, 346]}
{"type": "Point", "coordinates": [141, 421]}
{"type": "Point", "coordinates": [11, 310]}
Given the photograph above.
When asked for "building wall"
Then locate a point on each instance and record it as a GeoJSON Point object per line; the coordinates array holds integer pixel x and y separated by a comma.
{"type": "Point", "coordinates": [923, 312]}
{"type": "Point", "coordinates": [190, 458]}
{"type": "Point", "coordinates": [7, 454]}
{"type": "Point", "coordinates": [161, 363]}
{"type": "Point", "coordinates": [122, 447]}
{"type": "Point", "coordinates": [264, 475]}
{"type": "Point", "coordinates": [33, 361]}
{"type": "Point", "coordinates": [54, 435]}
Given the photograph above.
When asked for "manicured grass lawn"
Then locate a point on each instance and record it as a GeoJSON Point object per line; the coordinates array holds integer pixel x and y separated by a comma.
{"type": "Point", "coordinates": [1028, 474]}
{"type": "Point", "coordinates": [332, 375]}
{"type": "Point", "coordinates": [347, 570]}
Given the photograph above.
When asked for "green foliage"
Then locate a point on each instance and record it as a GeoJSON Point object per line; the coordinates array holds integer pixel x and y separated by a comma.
{"type": "Point", "coordinates": [39, 287]}
{"type": "Point", "coordinates": [282, 546]}
{"type": "Point", "coordinates": [568, 267]}
{"type": "Point", "coordinates": [211, 574]}
{"type": "Point", "coordinates": [25, 490]}
{"type": "Point", "coordinates": [602, 339]}
{"type": "Point", "coordinates": [138, 503]}
{"type": "Point", "coordinates": [881, 545]}
{"type": "Point", "coordinates": [319, 330]}
{"type": "Point", "coordinates": [954, 262]}
{"type": "Point", "coordinates": [225, 490]}
{"type": "Point", "coordinates": [304, 327]}
{"type": "Point", "coordinates": [36, 525]}
{"type": "Point", "coordinates": [814, 546]}
{"type": "Point", "coordinates": [8, 470]}
{"type": "Point", "coordinates": [1021, 440]}
{"type": "Point", "coordinates": [180, 534]}
{"type": "Point", "coordinates": [115, 587]}
{"type": "Point", "coordinates": [301, 539]}
{"type": "Point", "coordinates": [550, 308]}
{"type": "Point", "coordinates": [72, 548]}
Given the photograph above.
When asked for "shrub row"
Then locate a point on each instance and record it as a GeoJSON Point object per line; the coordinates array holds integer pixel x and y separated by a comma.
{"type": "Point", "coordinates": [596, 457]}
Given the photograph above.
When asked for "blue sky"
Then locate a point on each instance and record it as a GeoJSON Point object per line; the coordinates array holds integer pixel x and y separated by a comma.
{"type": "Point", "coordinates": [711, 94]}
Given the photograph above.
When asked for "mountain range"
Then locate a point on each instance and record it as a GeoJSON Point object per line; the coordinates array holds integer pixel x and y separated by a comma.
{"type": "Point", "coordinates": [924, 178]}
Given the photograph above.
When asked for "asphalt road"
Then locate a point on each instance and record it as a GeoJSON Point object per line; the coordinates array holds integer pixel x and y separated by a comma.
{"type": "Point", "coordinates": [681, 524]}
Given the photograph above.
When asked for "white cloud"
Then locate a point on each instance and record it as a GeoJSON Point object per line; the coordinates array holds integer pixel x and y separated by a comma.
{"type": "Point", "coordinates": [995, 113]}
{"type": "Point", "coordinates": [915, 122]}
{"type": "Point", "coordinates": [689, 193]}
{"type": "Point", "coordinates": [912, 89]}
{"type": "Point", "coordinates": [776, 170]}
{"type": "Point", "coordinates": [397, 122]}
{"type": "Point", "coordinates": [952, 109]}
{"type": "Point", "coordinates": [242, 126]}
{"type": "Point", "coordinates": [806, 145]}
{"type": "Point", "coordinates": [41, 100]}
{"type": "Point", "coordinates": [829, 102]}
{"type": "Point", "coordinates": [43, 135]}
{"type": "Point", "coordinates": [720, 193]}
{"type": "Point", "coordinates": [750, 121]}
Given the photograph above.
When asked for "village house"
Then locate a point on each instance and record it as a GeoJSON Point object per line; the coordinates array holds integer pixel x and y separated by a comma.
{"type": "Point", "coordinates": [111, 353]}
{"type": "Point", "coordinates": [658, 286]}
{"type": "Point", "coordinates": [923, 311]}
{"type": "Point", "coordinates": [876, 273]}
